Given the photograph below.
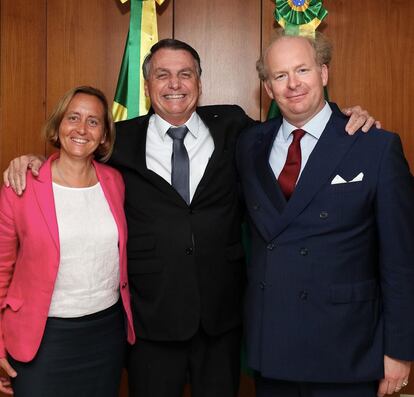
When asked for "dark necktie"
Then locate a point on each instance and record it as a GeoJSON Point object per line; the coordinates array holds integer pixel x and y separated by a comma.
{"type": "Point", "coordinates": [180, 164]}
{"type": "Point", "coordinates": [290, 172]}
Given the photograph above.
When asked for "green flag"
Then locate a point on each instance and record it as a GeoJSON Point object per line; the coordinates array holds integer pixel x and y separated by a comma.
{"type": "Point", "coordinates": [130, 100]}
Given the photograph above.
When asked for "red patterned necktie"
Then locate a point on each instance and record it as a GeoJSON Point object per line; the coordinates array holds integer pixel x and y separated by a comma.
{"type": "Point", "coordinates": [290, 172]}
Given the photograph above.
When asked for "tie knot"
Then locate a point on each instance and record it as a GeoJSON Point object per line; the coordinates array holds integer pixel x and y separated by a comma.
{"type": "Point", "coordinates": [178, 132]}
{"type": "Point", "coordinates": [298, 134]}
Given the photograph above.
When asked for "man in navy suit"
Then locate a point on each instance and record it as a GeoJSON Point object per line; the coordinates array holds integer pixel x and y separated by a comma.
{"type": "Point", "coordinates": [330, 295]}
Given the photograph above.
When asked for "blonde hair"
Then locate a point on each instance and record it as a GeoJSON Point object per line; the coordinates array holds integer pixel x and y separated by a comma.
{"type": "Point", "coordinates": [320, 43]}
{"type": "Point", "coordinates": [51, 127]}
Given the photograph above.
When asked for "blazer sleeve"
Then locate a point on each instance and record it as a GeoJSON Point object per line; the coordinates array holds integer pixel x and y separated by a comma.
{"type": "Point", "coordinates": [395, 220]}
{"type": "Point", "coordinates": [8, 251]}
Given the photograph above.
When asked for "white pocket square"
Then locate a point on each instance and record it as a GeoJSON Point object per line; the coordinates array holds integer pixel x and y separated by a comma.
{"type": "Point", "coordinates": [338, 179]}
{"type": "Point", "coordinates": [358, 178]}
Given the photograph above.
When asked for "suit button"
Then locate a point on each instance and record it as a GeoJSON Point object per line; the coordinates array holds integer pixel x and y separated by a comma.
{"type": "Point", "coordinates": [124, 284]}
{"type": "Point", "coordinates": [270, 246]}
{"type": "Point", "coordinates": [303, 295]}
{"type": "Point", "coordinates": [304, 251]}
{"type": "Point", "coordinates": [262, 285]}
{"type": "Point", "coordinates": [189, 251]}
{"type": "Point", "coordinates": [256, 207]}
{"type": "Point", "coordinates": [323, 215]}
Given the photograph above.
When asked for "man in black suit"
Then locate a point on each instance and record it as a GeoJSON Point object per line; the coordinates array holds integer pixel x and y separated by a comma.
{"type": "Point", "coordinates": [185, 258]}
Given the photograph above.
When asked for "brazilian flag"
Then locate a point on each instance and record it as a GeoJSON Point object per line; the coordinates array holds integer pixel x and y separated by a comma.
{"type": "Point", "coordinates": [130, 100]}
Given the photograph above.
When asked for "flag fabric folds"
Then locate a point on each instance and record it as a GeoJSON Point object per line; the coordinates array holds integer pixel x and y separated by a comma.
{"type": "Point", "coordinates": [300, 17]}
{"type": "Point", "coordinates": [130, 100]}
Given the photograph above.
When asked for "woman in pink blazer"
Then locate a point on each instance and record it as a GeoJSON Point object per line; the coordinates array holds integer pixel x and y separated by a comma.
{"type": "Point", "coordinates": [64, 295]}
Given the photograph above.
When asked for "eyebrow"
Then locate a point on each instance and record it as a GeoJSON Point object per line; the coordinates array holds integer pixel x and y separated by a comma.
{"type": "Point", "coordinates": [169, 71]}
{"type": "Point", "coordinates": [78, 114]}
{"type": "Point", "coordinates": [295, 67]}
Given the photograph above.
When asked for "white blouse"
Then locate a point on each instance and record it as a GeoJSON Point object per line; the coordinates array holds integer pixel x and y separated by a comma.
{"type": "Point", "coordinates": [88, 275]}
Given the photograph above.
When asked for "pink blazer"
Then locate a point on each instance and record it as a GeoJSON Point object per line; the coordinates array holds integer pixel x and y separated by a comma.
{"type": "Point", "coordinates": [29, 258]}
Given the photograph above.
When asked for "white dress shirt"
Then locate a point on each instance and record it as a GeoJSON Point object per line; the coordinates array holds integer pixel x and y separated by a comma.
{"type": "Point", "coordinates": [198, 142]}
{"type": "Point", "coordinates": [284, 137]}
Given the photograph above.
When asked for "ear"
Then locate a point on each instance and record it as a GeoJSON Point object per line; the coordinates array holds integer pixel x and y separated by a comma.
{"type": "Point", "coordinates": [146, 92]}
{"type": "Point", "coordinates": [324, 75]}
{"type": "Point", "coordinates": [268, 88]}
{"type": "Point", "coordinates": [200, 87]}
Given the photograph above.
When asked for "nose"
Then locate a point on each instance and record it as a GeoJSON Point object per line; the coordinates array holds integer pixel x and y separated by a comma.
{"type": "Point", "coordinates": [174, 83]}
{"type": "Point", "coordinates": [293, 81]}
{"type": "Point", "coordinates": [81, 128]}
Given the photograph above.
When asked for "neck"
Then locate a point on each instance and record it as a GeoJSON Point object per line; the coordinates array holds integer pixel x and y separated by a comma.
{"type": "Point", "coordinates": [299, 122]}
{"type": "Point", "coordinates": [71, 173]}
{"type": "Point", "coordinates": [176, 121]}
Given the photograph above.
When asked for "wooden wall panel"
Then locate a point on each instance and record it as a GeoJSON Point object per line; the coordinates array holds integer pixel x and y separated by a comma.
{"type": "Point", "coordinates": [227, 36]}
{"type": "Point", "coordinates": [85, 45]}
{"type": "Point", "coordinates": [268, 26]}
{"type": "Point", "coordinates": [374, 60]}
{"type": "Point", "coordinates": [165, 19]}
{"type": "Point", "coordinates": [22, 77]}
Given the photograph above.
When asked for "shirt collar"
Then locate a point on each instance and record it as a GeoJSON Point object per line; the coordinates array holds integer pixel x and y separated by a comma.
{"type": "Point", "coordinates": [314, 126]}
{"type": "Point", "coordinates": [163, 126]}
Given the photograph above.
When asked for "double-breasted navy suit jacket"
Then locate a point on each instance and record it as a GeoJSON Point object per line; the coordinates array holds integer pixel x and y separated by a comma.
{"type": "Point", "coordinates": [331, 275]}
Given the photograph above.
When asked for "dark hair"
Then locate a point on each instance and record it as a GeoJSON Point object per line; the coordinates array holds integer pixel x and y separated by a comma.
{"type": "Point", "coordinates": [320, 44]}
{"type": "Point", "coordinates": [171, 44]}
{"type": "Point", "coordinates": [51, 127]}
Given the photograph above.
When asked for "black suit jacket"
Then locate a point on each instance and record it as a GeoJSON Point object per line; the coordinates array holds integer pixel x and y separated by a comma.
{"type": "Point", "coordinates": [185, 262]}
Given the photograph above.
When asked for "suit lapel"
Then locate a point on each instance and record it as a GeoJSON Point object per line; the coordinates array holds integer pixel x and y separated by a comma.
{"type": "Point", "coordinates": [135, 154]}
{"type": "Point", "coordinates": [265, 173]}
{"type": "Point", "coordinates": [333, 144]}
{"type": "Point", "coordinates": [137, 151]}
{"type": "Point", "coordinates": [266, 193]}
{"type": "Point", "coordinates": [43, 189]}
{"type": "Point", "coordinates": [214, 123]}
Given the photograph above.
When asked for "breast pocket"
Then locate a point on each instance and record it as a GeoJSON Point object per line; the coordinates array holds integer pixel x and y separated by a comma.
{"type": "Point", "coordinates": [342, 188]}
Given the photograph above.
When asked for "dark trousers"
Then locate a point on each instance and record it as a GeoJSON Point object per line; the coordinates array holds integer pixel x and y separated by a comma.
{"type": "Point", "coordinates": [80, 357]}
{"type": "Point", "coordinates": [275, 388]}
{"type": "Point", "coordinates": [210, 363]}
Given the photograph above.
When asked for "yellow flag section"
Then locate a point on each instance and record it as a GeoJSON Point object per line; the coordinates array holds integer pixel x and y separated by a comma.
{"type": "Point", "coordinates": [130, 100]}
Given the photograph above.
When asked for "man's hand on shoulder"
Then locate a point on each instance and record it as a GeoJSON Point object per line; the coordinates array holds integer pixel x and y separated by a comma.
{"type": "Point", "coordinates": [15, 174]}
{"type": "Point", "coordinates": [359, 118]}
{"type": "Point", "coordinates": [396, 373]}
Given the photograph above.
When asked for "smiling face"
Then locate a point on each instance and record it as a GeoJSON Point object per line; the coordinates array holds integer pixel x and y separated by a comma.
{"type": "Point", "coordinates": [295, 81]}
{"type": "Point", "coordinates": [81, 130]}
{"type": "Point", "coordinates": [173, 85]}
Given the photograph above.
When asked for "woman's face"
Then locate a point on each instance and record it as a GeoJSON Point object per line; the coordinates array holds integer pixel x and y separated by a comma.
{"type": "Point", "coordinates": [81, 130]}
